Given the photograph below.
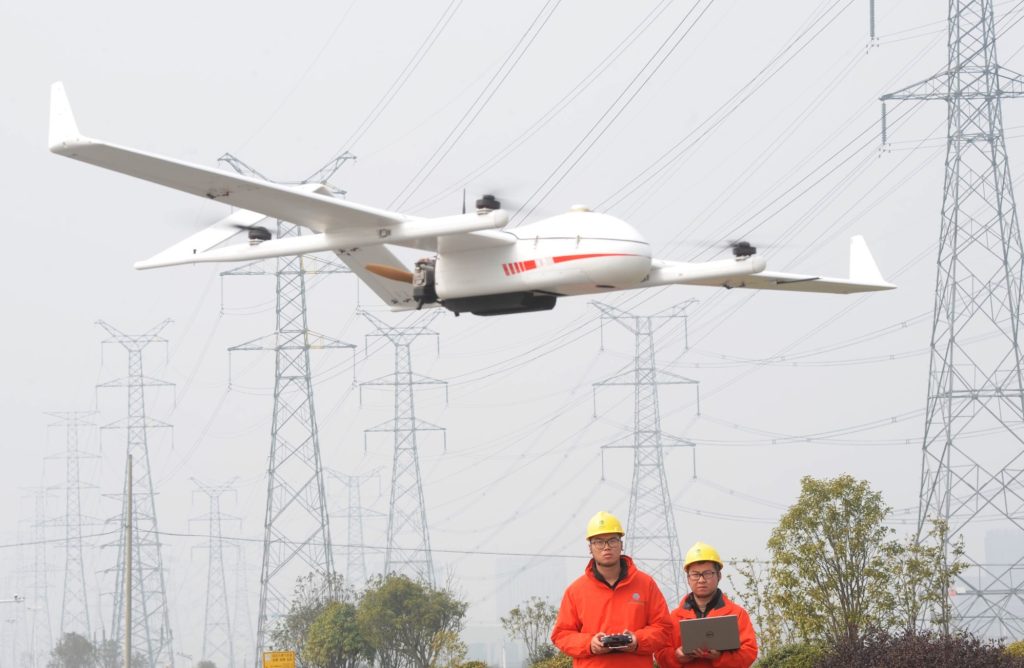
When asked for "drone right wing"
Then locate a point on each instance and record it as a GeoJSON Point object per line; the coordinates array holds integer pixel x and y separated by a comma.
{"type": "Point", "coordinates": [338, 224]}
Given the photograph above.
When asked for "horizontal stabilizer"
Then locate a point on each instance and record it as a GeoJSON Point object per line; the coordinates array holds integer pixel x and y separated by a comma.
{"type": "Point", "coordinates": [185, 251]}
{"type": "Point", "coordinates": [396, 294]}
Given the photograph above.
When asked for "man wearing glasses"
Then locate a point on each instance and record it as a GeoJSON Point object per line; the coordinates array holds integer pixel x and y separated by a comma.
{"type": "Point", "coordinates": [614, 615]}
{"type": "Point", "coordinates": [703, 569]}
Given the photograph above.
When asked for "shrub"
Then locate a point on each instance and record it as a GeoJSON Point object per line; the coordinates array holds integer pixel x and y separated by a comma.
{"type": "Point", "coordinates": [559, 660]}
{"type": "Point", "coordinates": [794, 655]}
{"type": "Point", "coordinates": [920, 650]}
{"type": "Point", "coordinates": [473, 664]}
{"type": "Point", "coordinates": [1016, 649]}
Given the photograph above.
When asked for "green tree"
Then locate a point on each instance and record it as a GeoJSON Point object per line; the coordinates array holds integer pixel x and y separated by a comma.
{"type": "Point", "coordinates": [754, 585]}
{"type": "Point", "coordinates": [407, 622]}
{"type": "Point", "coordinates": [334, 640]}
{"type": "Point", "coordinates": [532, 622]}
{"type": "Point", "coordinates": [313, 593]}
{"type": "Point", "coordinates": [72, 651]}
{"type": "Point", "coordinates": [450, 650]}
{"type": "Point", "coordinates": [922, 573]}
{"type": "Point", "coordinates": [110, 654]}
{"type": "Point", "coordinates": [832, 561]}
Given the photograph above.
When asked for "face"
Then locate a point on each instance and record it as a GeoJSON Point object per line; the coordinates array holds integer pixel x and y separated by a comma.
{"type": "Point", "coordinates": [606, 548]}
{"type": "Point", "coordinates": [706, 584]}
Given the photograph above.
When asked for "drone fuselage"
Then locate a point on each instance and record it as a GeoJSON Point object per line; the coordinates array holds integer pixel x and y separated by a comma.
{"type": "Point", "coordinates": [575, 253]}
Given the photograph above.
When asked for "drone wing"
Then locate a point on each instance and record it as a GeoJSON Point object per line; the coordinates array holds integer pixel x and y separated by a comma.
{"type": "Point", "coordinates": [338, 224]}
{"type": "Point", "coordinates": [750, 273]}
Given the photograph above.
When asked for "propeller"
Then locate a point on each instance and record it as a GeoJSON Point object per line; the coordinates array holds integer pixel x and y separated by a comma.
{"type": "Point", "coordinates": [393, 273]}
{"type": "Point", "coordinates": [257, 233]}
{"type": "Point", "coordinates": [741, 248]}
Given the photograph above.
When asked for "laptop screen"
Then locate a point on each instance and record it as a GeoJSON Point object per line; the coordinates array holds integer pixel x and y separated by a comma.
{"type": "Point", "coordinates": [719, 633]}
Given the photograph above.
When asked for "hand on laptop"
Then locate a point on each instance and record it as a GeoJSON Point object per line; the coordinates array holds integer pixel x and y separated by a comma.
{"type": "Point", "coordinates": [687, 657]}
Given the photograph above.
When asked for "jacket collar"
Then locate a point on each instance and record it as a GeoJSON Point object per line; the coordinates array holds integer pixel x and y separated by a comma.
{"type": "Point", "coordinates": [717, 601]}
{"type": "Point", "coordinates": [625, 574]}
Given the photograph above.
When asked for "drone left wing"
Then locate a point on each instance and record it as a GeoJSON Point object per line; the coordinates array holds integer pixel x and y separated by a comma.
{"type": "Point", "coordinates": [749, 272]}
{"type": "Point", "coordinates": [339, 224]}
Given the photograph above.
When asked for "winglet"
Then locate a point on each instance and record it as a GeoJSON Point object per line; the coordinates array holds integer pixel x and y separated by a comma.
{"type": "Point", "coordinates": [63, 129]}
{"type": "Point", "coordinates": [863, 268]}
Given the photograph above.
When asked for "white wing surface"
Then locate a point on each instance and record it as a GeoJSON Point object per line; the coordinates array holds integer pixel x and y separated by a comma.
{"type": "Point", "coordinates": [318, 212]}
{"type": "Point", "coordinates": [396, 294]}
{"type": "Point", "coordinates": [750, 273]}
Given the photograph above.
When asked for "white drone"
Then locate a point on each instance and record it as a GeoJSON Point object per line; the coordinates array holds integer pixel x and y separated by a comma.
{"type": "Point", "coordinates": [476, 266]}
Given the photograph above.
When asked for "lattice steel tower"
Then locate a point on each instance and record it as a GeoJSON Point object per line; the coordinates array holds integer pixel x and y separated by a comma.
{"type": "Point", "coordinates": [407, 549]}
{"type": "Point", "coordinates": [354, 513]}
{"type": "Point", "coordinates": [218, 641]}
{"type": "Point", "coordinates": [297, 532]}
{"type": "Point", "coordinates": [651, 527]}
{"type": "Point", "coordinates": [972, 451]}
{"type": "Point", "coordinates": [151, 626]}
{"type": "Point", "coordinates": [40, 638]}
{"type": "Point", "coordinates": [74, 609]}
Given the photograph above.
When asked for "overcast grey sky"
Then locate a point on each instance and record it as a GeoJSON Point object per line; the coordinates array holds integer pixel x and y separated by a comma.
{"type": "Point", "coordinates": [773, 108]}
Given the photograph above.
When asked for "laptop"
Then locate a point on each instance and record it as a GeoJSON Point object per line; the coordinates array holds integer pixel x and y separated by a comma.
{"type": "Point", "coordinates": [720, 633]}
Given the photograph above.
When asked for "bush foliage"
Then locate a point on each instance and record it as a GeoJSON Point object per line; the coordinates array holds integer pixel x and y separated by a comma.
{"type": "Point", "coordinates": [920, 650]}
{"type": "Point", "coordinates": [559, 660]}
{"type": "Point", "coordinates": [794, 655]}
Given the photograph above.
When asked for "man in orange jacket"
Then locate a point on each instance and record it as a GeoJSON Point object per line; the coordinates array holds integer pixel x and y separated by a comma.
{"type": "Point", "coordinates": [703, 569]}
{"type": "Point", "coordinates": [614, 615]}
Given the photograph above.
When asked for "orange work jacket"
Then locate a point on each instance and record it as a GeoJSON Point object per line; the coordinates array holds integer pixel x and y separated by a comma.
{"type": "Point", "coordinates": [718, 607]}
{"type": "Point", "coordinates": [590, 606]}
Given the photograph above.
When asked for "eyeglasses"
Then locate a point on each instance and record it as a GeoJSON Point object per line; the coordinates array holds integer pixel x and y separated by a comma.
{"type": "Point", "coordinates": [601, 543]}
{"type": "Point", "coordinates": [702, 575]}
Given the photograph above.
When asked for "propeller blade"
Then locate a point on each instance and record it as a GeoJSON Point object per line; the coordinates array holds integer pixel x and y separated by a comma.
{"type": "Point", "coordinates": [393, 273]}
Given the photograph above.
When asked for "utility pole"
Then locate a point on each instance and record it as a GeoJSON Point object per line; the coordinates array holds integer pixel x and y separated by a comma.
{"type": "Point", "coordinates": [408, 538]}
{"type": "Point", "coordinates": [150, 628]}
{"type": "Point", "coordinates": [297, 533]}
{"type": "Point", "coordinates": [129, 520]}
{"type": "Point", "coordinates": [973, 438]}
{"type": "Point", "coordinates": [651, 527]}
{"type": "Point", "coordinates": [74, 609]}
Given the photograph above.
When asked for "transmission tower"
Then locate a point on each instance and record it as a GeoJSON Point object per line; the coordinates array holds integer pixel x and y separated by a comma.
{"type": "Point", "coordinates": [408, 537]}
{"type": "Point", "coordinates": [218, 641]}
{"type": "Point", "coordinates": [972, 449]}
{"type": "Point", "coordinates": [74, 610]}
{"type": "Point", "coordinates": [297, 532]}
{"type": "Point", "coordinates": [354, 514]}
{"type": "Point", "coordinates": [651, 528]}
{"type": "Point", "coordinates": [242, 624]}
{"type": "Point", "coordinates": [40, 638]}
{"type": "Point", "coordinates": [151, 626]}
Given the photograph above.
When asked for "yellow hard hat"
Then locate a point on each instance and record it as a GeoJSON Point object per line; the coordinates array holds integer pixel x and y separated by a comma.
{"type": "Point", "coordinates": [701, 552]}
{"type": "Point", "coordinates": [604, 523]}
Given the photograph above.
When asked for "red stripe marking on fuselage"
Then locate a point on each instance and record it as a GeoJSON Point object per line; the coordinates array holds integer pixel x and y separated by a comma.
{"type": "Point", "coordinates": [512, 268]}
{"type": "Point", "coordinates": [570, 258]}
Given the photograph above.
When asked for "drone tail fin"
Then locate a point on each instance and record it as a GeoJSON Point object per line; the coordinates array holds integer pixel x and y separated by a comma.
{"type": "Point", "coordinates": [64, 132]}
{"type": "Point", "coordinates": [863, 268]}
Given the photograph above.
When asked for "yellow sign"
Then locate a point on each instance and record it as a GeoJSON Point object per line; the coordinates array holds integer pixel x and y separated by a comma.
{"type": "Point", "coordinates": [279, 660]}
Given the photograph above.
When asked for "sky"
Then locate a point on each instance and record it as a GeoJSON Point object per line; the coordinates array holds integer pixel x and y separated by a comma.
{"type": "Point", "coordinates": [698, 123]}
